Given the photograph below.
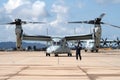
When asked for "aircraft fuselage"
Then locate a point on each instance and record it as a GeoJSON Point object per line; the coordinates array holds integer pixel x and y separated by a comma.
{"type": "Point", "coordinates": [58, 46]}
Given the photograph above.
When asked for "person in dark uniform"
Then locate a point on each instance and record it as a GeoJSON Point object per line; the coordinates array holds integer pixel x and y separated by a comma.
{"type": "Point", "coordinates": [78, 51]}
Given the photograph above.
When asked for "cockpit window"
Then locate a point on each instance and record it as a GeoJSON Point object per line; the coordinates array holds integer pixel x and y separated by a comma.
{"type": "Point", "coordinates": [56, 43]}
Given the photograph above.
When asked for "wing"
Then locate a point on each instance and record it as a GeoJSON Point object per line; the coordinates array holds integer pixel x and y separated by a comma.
{"type": "Point", "coordinates": [81, 37]}
{"type": "Point", "coordinates": [37, 38]}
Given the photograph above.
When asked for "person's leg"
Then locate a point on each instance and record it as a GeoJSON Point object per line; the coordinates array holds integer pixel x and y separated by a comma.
{"type": "Point", "coordinates": [80, 56]}
{"type": "Point", "coordinates": [76, 56]}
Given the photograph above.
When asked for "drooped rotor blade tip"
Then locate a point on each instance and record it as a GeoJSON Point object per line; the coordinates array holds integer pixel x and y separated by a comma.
{"type": "Point", "coordinates": [37, 22]}
{"type": "Point", "coordinates": [110, 25]}
{"type": "Point", "coordinates": [77, 22]}
{"type": "Point", "coordinates": [102, 15]}
{"type": "Point", "coordinates": [11, 23]}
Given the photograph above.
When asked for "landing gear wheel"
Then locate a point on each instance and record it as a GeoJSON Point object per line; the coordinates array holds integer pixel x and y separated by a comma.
{"type": "Point", "coordinates": [97, 50]}
{"type": "Point", "coordinates": [56, 55]}
{"type": "Point", "coordinates": [47, 54]}
{"type": "Point", "coordinates": [85, 50]}
{"type": "Point", "coordinates": [69, 54]}
{"type": "Point", "coordinates": [92, 50]}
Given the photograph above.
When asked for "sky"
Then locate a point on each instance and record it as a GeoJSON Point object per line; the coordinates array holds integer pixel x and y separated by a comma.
{"type": "Point", "coordinates": [57, 13]}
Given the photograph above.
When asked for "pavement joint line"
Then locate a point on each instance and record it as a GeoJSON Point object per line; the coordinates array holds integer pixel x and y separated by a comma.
{"type": "Point", "coordinates": [23, 65]}
{"type": "Point", "coordinates": [88, 75]}
{"type": "Point", "coordinates": [12, 75]}
{"type": "Point", "coordinates": [51, 75]}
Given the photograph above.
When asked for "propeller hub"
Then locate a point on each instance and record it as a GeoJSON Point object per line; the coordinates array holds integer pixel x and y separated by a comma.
{"type": "Point", "coordinates": [97, 21]}
{"type": "Point", "coordinates": [18, 21]}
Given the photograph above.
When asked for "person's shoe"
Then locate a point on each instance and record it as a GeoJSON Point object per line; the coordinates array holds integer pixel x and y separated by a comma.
{"type": "Point", "coordinates": [80, 59]}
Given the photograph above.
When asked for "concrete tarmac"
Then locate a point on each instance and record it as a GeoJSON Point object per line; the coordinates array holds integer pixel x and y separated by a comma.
{"type": "Point", "coordinates": [104, 65]}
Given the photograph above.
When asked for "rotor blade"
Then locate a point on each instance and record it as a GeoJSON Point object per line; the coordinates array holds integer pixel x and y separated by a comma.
{"type": "Point", "coordinates": [102, 15]}
{"type": "Point", "coordinates": [105, 39]}
{"type": "Point", "coordinates": [37, 22]}
{"type": "Point", "coordinates": [102, 39]}
{"type": "Point", "coordinates": [76, 22]}
{"type": "Point", "coordinates": [86, 22]}
{"type": "Point", "coordinates": [117, 39]}
{"type": "Point", "coordinates": [25, 22]}
{"type": "Point", "coordinates": [110, 25]}
{"type": "Point", "coordinates": [7, 23]}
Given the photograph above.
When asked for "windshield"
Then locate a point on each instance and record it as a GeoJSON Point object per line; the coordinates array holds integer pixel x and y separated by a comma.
{"type": "Point", "coordinates": [56, 43]}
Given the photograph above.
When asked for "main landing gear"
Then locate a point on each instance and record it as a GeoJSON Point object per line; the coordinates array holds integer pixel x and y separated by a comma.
{"type": "Point", "coordinates": [48, 54]}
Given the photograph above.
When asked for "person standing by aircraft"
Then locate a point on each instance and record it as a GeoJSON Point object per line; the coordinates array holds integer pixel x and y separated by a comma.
{"type": "Point", "coordinates": [78, 51]}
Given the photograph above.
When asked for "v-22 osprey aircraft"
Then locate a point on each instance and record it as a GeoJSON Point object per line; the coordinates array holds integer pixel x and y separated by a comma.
{"type": "Point", "coordinates": [58, 44]}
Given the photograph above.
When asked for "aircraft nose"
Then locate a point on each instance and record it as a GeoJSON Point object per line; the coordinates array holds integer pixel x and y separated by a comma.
{"type": "Point", "coordinates": [52, 49]}
{"type": "Point", "coordinates": [55, 48]}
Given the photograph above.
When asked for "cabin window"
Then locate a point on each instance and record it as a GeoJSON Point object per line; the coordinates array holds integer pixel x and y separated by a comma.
{"type": "Point", "coordinates": [58, 43]}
